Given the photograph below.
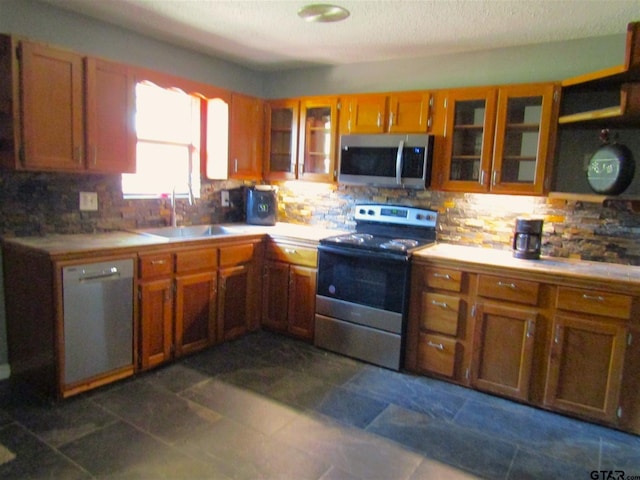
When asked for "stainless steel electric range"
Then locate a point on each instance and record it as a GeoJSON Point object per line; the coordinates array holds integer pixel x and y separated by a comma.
{"type": "Point", "coordinates": [363, 282]}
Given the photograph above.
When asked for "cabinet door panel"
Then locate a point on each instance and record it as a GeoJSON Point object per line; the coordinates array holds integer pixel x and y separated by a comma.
{"type": "Point", "coordinates": [156, 320]}
{"type": "Point", "coordinates": [367, 113]}
{"type": "Point", "coordinates": [585, 368]}
{"type": "Point", "coordinates": [524, 134]}
{"type": "Point", "coordinates": [275, 300]}
{"type": "Point", "coordinates": [503, 350]}
{"type": "Point", "coordinates": [246, 138]}
{"type": "Point", "coordinates": [302, 305]}
{"type": "Point", "coordinates": [234, 305]}
{"type": "Point", "coordinates": [195, 312]}
{"type": "Point", "coordinates": [111, 135]}
{"type": "Point", "coordinates": [469, 139]}
{"type": "Point", "coordinates": [52, 108]}
{"type": "Point", "coordinates": [281, 141]}
{"type": "Point", "coordinates": [409, 112]}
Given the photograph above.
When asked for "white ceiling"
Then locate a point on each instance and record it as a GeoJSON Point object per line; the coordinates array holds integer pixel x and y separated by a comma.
{"type": "Point", "coordinates": [269, 35]}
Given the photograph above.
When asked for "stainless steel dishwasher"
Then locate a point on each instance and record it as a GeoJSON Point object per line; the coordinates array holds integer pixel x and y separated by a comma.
{"type": "Point", "coordinates": [98, 318]}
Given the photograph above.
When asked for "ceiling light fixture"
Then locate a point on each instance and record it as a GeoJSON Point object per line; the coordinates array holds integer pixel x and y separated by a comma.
{"type": "Point", "coordinates": [322, 12]}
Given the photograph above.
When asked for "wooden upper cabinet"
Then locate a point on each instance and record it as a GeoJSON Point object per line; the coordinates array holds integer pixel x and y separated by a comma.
{"type": "Point", "coordinates": [366, 114]}
{"type": "Point", "coordinates": [110, 124]}
{"type": "Point", "coordinates": [405, 112]}
{"type": "Point", "coordinates": [63, 111]}
{"type": "Point", "coordinates": [318, 139]}
{"type": "Point", "coordinates": [410, 112]}
{"type": "Point", "coordinates": [246, 137]}
{"type": "Point", "coordinates": [499, 140]}
{"type": "Point", "coordinates": [281, 139]}
{"type": "Point", "coordinates": [52, 89]}
{"type": "Point", "coordinates": [525, 139]}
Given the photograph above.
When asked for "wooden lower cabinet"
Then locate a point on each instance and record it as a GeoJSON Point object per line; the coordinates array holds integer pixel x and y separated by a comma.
{"type": "Point", "coordinates": [585, 367]}
{"type": "Point", "coordinates": [438, 338]}
{"type": "Point", "coordinates": [560, 343]}
{"type": "Point", "coordinates": [288, 300]}
{"type": "Point", "coordinates": [156, 322]}
{"type": "Point", "coordinates": [503, 350]}
{"type": "Point", "coordinates": [177, 303]}
{"type": "Point", "coordinates": [195, 319]}
{"type": "Point", "coordinates": [238, 290]}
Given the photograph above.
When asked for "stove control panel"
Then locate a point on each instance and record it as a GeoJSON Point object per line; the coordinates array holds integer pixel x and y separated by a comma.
{"type": "Point", "coordinates": [396, 214]}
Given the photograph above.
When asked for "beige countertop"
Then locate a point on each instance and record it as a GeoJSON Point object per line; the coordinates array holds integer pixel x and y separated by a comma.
{"type": "Point", "coordinates": [548, 265]}
{"type": "Point", "coordinates": [59, 244]}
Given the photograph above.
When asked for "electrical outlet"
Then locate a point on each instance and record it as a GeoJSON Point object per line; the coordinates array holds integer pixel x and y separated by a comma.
{"type": "Point", "coordinates": [224, 198]}
{"type": "Point", "coordinates": [88, 201]}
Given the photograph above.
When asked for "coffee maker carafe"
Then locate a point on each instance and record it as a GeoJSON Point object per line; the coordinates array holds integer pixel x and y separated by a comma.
{"type": "Point", "coordinates": [527, 238]}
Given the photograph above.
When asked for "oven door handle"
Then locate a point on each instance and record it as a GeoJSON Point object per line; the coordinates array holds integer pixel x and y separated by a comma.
{"type": "Point", "coordinates": [362, 253]}
{"type": "Point", "coordinates": [399, 162]}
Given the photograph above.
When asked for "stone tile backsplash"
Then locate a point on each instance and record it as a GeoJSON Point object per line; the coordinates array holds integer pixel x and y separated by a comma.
{"type": "Point", "coordinates": [42, 203]}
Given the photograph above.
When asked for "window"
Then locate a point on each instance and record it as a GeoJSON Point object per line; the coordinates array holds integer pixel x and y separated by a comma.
{"type": "Point", "coordinates": [168, 146]}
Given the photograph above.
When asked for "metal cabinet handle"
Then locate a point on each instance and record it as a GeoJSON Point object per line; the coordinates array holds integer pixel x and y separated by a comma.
{"type": "Point", "coordinates": [390, 119]}
{"type": "Point", "coordinates": [439, 346]}
{"type": "Point", "coordinates": [158, 262]}
{"type": "Point", "coordinates": [481, 178]}
{"type": "Point", "coordinates": [557, 336]}
{"type": "Point", "coordinates": [494, 180]}
{"type": "Point", "coordinates": [446, 276]}
{"type": "Point", "coordinates": [597, 298]}
{"type": "Point", "coordinates": [439, 304]}
{"type": "Point", "coordinates": [379, 119]}
{"type": "Point", "coordinates": [530, 328]}
{"type": "Point", "coordinates": [508, 285]}
{"type": "Point", "coordinates": [290, 251]}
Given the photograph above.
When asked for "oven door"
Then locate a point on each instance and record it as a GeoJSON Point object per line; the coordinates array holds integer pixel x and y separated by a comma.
{"type": "Point", "coordinates": [370, 279]}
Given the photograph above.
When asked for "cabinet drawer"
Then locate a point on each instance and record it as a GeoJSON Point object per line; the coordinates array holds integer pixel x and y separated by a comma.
{"type": "Point", "coordinates": [440, 313]}
{"type": "Point", "coordinates": [509, 289]}
{"type": "Point", "coordinates": [205, 259]}
{"type": "Point", "coordinates": [444, 279]}
{"type": "Point", "coordinates": [157, 265]}
{"type": "Point", "coordinates": [305, 256]}
{"type": "Point", "coordinates": [597, 303]}
{"type": "Point", "coordinates": [236, 254]}
{"type": "Point", "coordinates": [437, 354]}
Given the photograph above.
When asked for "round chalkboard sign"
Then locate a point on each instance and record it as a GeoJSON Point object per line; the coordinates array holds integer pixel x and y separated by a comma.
{"type": "Point", "coordinates": [611, 169]}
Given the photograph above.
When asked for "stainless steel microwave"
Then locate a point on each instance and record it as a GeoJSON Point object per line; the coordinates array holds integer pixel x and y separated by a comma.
{"type": "Point", "coordinates": [385, 160]}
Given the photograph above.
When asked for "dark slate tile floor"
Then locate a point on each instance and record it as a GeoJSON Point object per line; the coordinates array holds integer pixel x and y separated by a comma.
{"type": "Point", "coordinates": [268, 407]}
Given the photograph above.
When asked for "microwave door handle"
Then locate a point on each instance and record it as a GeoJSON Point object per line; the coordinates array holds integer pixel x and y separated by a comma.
{"type": "Point", "coordinates": [399, 163]}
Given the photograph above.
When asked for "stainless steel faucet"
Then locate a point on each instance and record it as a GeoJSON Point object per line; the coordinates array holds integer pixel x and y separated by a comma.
{"type": "Point", "coordinates": [192, 201]}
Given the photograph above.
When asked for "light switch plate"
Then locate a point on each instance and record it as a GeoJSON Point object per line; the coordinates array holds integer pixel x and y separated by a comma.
{"type": "Point", "coordinates": [224, 198]}
{"type": "Point", "coordinates": [88, 201]}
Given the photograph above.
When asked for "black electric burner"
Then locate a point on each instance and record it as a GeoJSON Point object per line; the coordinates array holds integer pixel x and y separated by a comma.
{"type": "Point", "coordinates": [389, 229]}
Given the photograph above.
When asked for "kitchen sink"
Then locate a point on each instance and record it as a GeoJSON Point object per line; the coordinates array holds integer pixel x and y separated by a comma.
{"type": "Point", "coordinates": [189, 231]}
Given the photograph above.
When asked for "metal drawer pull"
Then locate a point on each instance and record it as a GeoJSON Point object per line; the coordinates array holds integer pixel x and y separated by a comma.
{"type": "Point", "coordinates": [508, 285]}
{"type": "Point", "coordinates": [439, 304]}
{"type": "Point", "coordinates": [597, 298]}
{"type": "Point", "coordinates": [530, 328]}
{"type": "Point", "coordinates": [158, 262]}
{"type": "Point", "coordinates": [290, 251]}
{"type": "Point", "coordinates": [439, 346]}
{"type": "Point", "coordinates": [446, 276]}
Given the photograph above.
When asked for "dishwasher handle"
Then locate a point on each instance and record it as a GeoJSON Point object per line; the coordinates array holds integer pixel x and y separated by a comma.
{"type": "Point", "coordinates": [108, 274]}
{"type": "Point", "coordinates": [99, 272]}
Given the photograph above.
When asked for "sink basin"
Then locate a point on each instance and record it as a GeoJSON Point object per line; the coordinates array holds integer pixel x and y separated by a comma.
{"type": "Point", "coordinates": [190, 231]}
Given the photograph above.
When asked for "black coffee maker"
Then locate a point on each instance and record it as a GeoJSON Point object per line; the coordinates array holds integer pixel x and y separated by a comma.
{"type": "Point", "coordinates": [527, 238]}
{"type": "Point", "coordinates": [261, 205]}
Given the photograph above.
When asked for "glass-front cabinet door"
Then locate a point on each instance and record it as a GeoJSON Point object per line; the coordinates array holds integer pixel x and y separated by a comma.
{"type": "Point", "coordinates": [499, 140]}
{"type": "Point", "coordinates": [318, 134]}
{"type": "Point", "coordinates": [469, 139]}
{"type": "Point", "coordinates": [524, 138]}
{"type": "Point", "coordinates": [282, 139]}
